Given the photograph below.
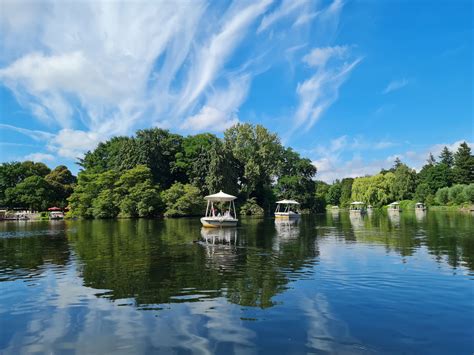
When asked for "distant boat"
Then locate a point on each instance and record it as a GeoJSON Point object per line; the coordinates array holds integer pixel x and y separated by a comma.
{"type": "Point", "coordinates": [227, 217]}
{"type": "Point", "coordinates": [394, 207]}
{"type": "Point", "coordinates": [420, 207]}
{"type": "Point", "coordinates": [287, 209]}
{"type": "Point", "coordinates": [357, 207]}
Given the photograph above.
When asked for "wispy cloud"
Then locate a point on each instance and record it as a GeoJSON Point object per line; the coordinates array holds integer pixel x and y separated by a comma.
{"type": "Point", "coordinates": [395, 85]}
{"type": "Point", "coordinates": [286, 8]}
{"type": "Point", "coordinates": [321, 90]}
{"type": "Point", "coordinates": [344, 156]}
{"type": "Point", "coordinates": [92, 69]}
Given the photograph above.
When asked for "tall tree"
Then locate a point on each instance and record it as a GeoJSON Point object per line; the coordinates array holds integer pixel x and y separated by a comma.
{"type": "Point", "coordinates": [257, 151]}
{"type": "Point", "coordinates": [463, 165]}
{"type": "Point", "coordinates": [446, 157]}
{"type": "Point", "coordinates": [404, 183]}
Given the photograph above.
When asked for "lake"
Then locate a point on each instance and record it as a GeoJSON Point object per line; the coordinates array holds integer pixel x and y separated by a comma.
{"type": "Point", "coordinates": [330, 283]}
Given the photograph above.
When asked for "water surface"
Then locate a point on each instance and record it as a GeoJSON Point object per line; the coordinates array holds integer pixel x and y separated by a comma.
{"type": "Point", "coordinates": [330, 283]}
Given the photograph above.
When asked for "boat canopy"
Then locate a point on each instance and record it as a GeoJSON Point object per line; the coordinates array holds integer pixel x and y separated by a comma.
{"type": "Point", "coordinates": [288, 202]}
{"type": "Point", "coordinates": [357, 203]}
{"type": "Point", "coordinates": [394, 204]}
{"type": "Point", "coordinates": [220, 197]}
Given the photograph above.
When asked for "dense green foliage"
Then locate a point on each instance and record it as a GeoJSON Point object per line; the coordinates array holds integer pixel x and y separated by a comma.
{"type": "Point", "coordinates": [251, 208]}
{"type": "Point", "coordinates": [111, 194]}
{"type": "Point", "coordinates": [34, 186]}
{"type": "Point", "coordinates": [183, 200]}
{"type": "Point", "coordinates": [432, 185]}
{"type": "Point", "coordinates": [157, 172]}
{"type": "Point", "coordinates": [249, 161]}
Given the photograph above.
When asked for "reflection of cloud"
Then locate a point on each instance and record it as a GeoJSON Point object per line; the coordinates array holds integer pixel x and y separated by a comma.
{"type": "Point", "coordinates": [325, 332]}
{"type": "Point", "coordinates": [60, 313]}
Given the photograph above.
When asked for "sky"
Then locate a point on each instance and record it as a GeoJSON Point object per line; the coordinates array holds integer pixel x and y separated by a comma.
{"type": "Point", "coordinates": [350, 84]}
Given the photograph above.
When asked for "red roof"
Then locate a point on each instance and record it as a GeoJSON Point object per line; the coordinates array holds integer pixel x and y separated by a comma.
{"type": "Point", "coordinates": [54, 209]}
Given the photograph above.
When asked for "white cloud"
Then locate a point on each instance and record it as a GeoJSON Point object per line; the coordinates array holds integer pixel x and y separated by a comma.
{"type": "Point", "coordinates": [39, 157]}
{"type": "Point", "coordinates": [319, 57]}
{"type": "Point", "coordinates": [221, 108]}
{"type": "Point", "coordinates": [71, 144]}
{"type": "Point", "coordinates": [343, 157]}
{"type": "Point", "coordinates": [212, 56]}
{"type": "Point", "coordinates": [321, 90]}
{"type": "Point", "coordinates": [211, 119]}
{"type": "Point", "coordinates": [395, 85]}
{"type": "Point", "coordinates": [286, 8]}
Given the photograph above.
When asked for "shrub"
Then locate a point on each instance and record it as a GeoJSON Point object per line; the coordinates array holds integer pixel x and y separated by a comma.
{"type": "Point", "coordinates": [442, 196]}
{"type": "Point", "coordinates": [183, 200]}
{"type": "Point", "coordinates": [251, 208]}
{"type": "Point", "coordinates": [469, 193]}
{"type": "Point", "coordinates": [456, 194]}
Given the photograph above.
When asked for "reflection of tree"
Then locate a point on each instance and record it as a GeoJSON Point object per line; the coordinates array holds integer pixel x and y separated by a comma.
{"type": "Point", "coordinates": [158, 261]}
{"type": "Point", "coordinates": [34, 245]}
{"type": "Point", "coordinates": [444, 234]}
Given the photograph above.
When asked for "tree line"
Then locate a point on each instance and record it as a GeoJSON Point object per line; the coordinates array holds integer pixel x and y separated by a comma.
{"type": "Point", "coordinates": [448, 180]}
{"type": "Point", "coordinates": [34, 186]}
{"type": "Point", "coordinates": [156, 172]}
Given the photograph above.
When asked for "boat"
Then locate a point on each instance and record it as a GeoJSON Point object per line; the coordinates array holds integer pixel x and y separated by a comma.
{"type": "Point", "coordinates": [287, 209]}
{"type": "Point", "coordinates": [216, 219]}
{"type": "Point", "coordinates": [420, 207]}
{"type": "Point", "coordinates": [357, 207]}
{"type": "Point", "coordinates": [394, 207]}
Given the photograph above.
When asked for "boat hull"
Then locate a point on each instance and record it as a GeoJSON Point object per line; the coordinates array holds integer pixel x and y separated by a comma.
{"type": "Point", "coordinates": [286, 215]}
{"type": "Point", "coordinates": [216, 222]}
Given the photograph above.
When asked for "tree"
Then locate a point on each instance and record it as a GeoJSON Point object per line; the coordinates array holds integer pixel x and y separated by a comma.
{"type": "Point", "coordinates": [374, 190]}
{"type": "Point", "coordinates": [194, 160]}
{"type": "Point", "coordinates": [431, 160]}
{"type": "Point", "coordinates": [446, 157]}
{"type": "Point", "coordinates": [33, 192]}
{"type": "Point", "coordinates": [321, 190]}
{"type": "Point", "coordinates": [436, 176]}
{"type": "Point", "coordinates": [62, 182]}
{"type": "Point", "coordinates": [295, 179]}
{"type": "Point", "coordinates": [346, 191]}
{"type": "Point", "coordinates": [442, 196]}
{"type": "Point", "coordinates": [404, 183]}
{"type": "Point", "coordinates": [423, 192]}
{"type": "Point", "coordinates": [463, 165]}
{"type": "Point", "coordinates": [183, 200]}
{"type": "Point", "coordinates": [256, 152]}
{"type": "Point", "coordinates": [334, 194]}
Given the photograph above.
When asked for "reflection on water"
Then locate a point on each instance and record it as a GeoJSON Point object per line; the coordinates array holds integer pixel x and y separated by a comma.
{"type": "Point", "coordinates": [328, 283]}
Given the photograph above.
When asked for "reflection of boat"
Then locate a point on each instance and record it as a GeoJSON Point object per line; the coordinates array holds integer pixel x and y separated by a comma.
{"type": "Point", "coordinates": [394, 207]}
{"type": "Point", "coordinates": [219, 235]}
{"type": "Point", "coordinates": [226, 217]}
{"type": "Point", "coordinates": [287, 209]}
{"type": "Point", "coordinates": [287, 228]}
{"type": "Point", "coordinates": [394, 217]}
{"type": "Point", "coordinates": [357, 220]}
{"type": "Point", "coordinates": [357, 207]}
{"type": "Point", "coordinates": [220, 246]}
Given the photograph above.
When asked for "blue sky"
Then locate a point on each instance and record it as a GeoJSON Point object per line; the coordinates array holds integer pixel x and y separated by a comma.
{"type": "Point", "coordinates": [349, 84]}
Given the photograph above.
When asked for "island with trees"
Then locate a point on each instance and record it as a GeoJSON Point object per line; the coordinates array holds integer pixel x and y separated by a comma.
{"type": "Point", "coordinates": [159, 173]}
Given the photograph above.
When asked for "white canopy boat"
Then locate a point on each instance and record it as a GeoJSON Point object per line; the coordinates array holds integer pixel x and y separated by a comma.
{"type": "Point", "coordinates": [357, 207]}
{"type": "Point", "coordinates": [285, 208]}
{"type": "Point", "coordinates": [394, 207]}
{"type": "Point", "coordinates": [215, 219]}
{"type": "Point", "coordinates": [420, 207]}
